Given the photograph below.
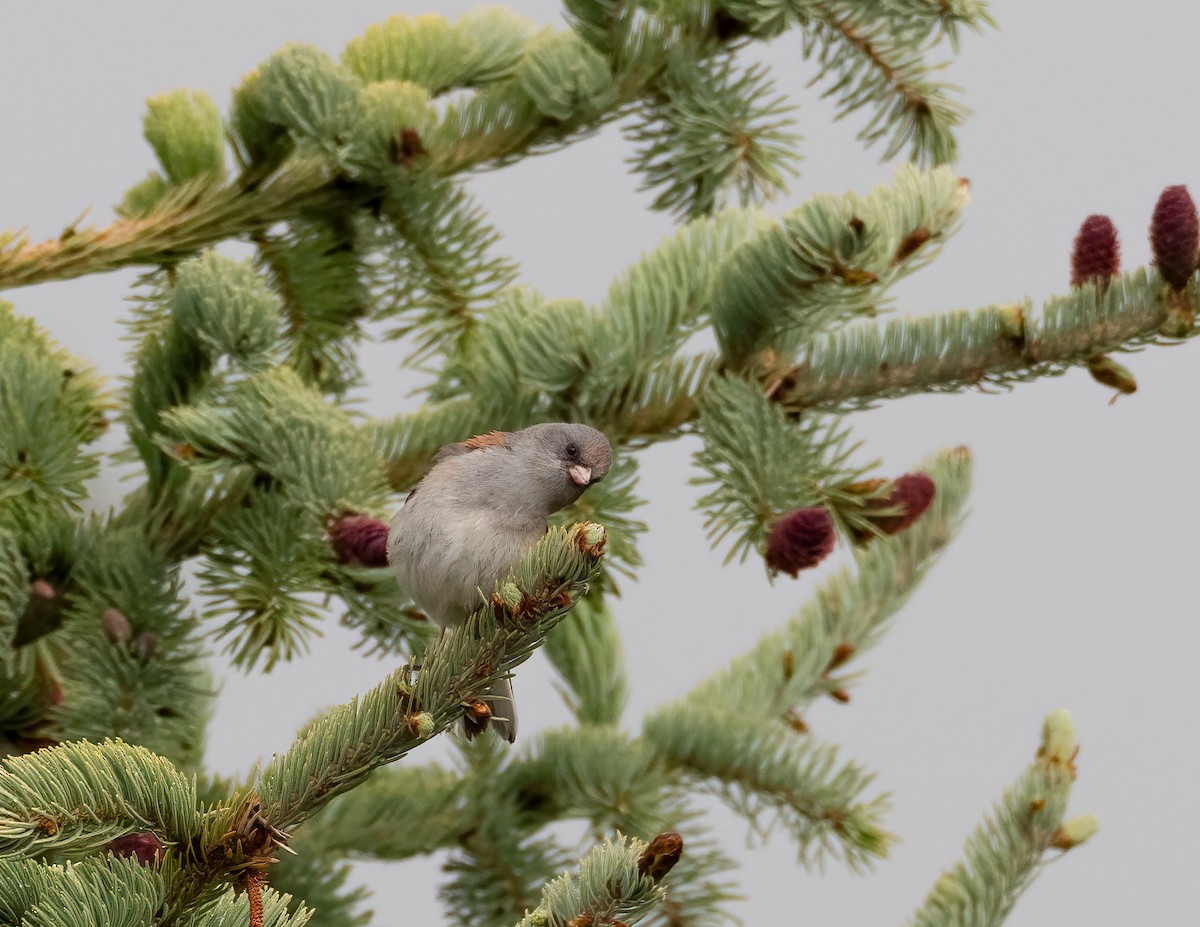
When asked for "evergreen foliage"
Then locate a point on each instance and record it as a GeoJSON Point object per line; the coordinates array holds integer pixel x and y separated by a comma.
{"type": "Point", "coordinates": [346, 179]}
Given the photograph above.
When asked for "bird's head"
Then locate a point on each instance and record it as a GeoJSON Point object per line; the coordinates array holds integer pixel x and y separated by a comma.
{"type": "Point", "coordinates": [564, 459]}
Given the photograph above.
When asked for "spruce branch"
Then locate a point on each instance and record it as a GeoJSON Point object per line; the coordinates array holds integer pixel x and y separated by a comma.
{"type": "Point", "coordinates": [763, 769]}
{"type": "Point", "coordinates": [232, 909]}
{"type": "Point", "coordinates": [661, 300]}
{"type": "Point", "coordinates": [993, 347]}
{"type": "Point", "coordinates": [829, 260]}
{"type": "Point", "coordinates": [22, 692]}
{"type": "Point", "coordinates": [761, 465]}
{"type": "Point", "coordinates": [189, 217]}
{"type": "Point", "coordinates": [77, 797]}
{"type": "Point", "coordinates": [434, 271]}
{"type": "Point", "coordinates": [1008, 850]}
{"type": "Point", "coordinates": [710, 130]}
{"type": "Point", "coordinates": [482, 46]}
{"type": "Point", "coordinates": [51, 407]}
{"type": "Point", "coordinates": [317, 267]}
{"type": "Point", "coordinates": [586, 653]}
{"type": "Point", "coordinates": [262, 562]}
{"type": "Point", "coordinates": [308, 447]}
{"type": "Point", "coordinates": [789, 668]}
{"type": "Point", "coordinates": [612, 885]}
{"type": "Point", "coordinates": [498, 874]}
{"type": "Point", "coordinates": [594, 773]}
{"type": "Point", "coordinates": [336, 752]}
{"type": "Point", "coordinates": [143, 681]}
{"type": "Point", "coordinates": [318, 883]}
{"type": "Point", "coordinates": [869, 62]}
{"type": "Point", "coordinates": [99, 890]}
{"type": "Point", "coordinates": [395, 814]}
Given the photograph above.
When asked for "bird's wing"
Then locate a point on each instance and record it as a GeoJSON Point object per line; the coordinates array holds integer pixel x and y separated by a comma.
{"type": "Point", "coordinates": [449, 451]}
{"type": "Point", "coordinates": [477, 443]}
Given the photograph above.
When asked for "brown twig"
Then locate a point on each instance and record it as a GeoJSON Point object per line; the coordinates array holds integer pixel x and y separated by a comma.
{"type": "Point", "coordinates": [254, 882]}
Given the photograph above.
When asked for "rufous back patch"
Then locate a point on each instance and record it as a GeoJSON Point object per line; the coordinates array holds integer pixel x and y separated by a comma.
{"type": "Point", "coordinates": [491, 439]}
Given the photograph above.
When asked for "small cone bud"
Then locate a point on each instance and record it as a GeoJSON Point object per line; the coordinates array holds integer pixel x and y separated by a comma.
{"type": "Point", "coordinates": [42, 614]}
{"type": "Point", "coordinates": [421, 725]}
{"type": "Point", "coordinates": [1175, 236]}
{"type": "Point", "coordinates": [1058, 737]}
{"type": "Point", "coordinates": [1076, 831]}
{"type": "Point", "coordinates": [1096, 256]}
{"type": "Point", "coordinates": [911, 243]}
{"type": "Point", "coordinates": [800, 540]}
{"type": "Point", "coordinates": [1012, 324]}
{"type": "Point", "coordinates": [509, 597]}
{"type": "Point", "coordinates": [409, 147]}
{"type": "Point", "coordinates": [660, 855]}
{"type": "Point", "coordinates": [841, 653]}
{"type": "Point", "coordinates": [146, 645]}
{"type": "Point", "coordinates": [116, 626]}
{"type": "Point", "coordinates": [590, 538]}
{"type": "Point", "coordinates": [359, 539]}
{"type": "Point", "coordinates": [911, 495]}
{"type": "Point", "coordinates": [1107, 371]}
{"type": "Point", "coordinates": [143, 847]}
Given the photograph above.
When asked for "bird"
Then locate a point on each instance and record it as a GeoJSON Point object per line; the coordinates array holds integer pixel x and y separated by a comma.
{"type": "Point", "coordinates": [483, 504]}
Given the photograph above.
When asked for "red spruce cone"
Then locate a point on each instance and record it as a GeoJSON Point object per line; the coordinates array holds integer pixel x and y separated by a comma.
{"type": "Point", "coordinates": [1096, 255]}
{"type": "Point", "coordinates": [1175, 236]}
{"type": "Point", "coordinates": [142, 846]}
{"type": "Point", "coordinates": [800, 540]}
{"type": "Point", "coordinates": [359, 539]}
{"type": "Point", "coordinates": [912, 493]}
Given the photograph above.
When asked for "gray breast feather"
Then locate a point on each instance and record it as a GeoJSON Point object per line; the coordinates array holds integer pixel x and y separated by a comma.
{"type": "Point", "coordinates": [446, 553]}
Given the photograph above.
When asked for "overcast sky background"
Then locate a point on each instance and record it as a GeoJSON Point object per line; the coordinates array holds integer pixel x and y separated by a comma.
{"type": "Point", "coordinates": [1072, 584]}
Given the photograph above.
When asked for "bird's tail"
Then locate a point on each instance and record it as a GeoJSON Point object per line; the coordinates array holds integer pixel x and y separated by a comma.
{"type": "Point", "coordinates": [501, 713]}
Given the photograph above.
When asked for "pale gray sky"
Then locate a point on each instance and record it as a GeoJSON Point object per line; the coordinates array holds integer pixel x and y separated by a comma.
{"type": "Point", "coordinates": [1071, 585]}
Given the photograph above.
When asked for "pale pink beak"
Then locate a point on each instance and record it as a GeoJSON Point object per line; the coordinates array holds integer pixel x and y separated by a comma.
{"type": "Point", "coordinates": [580, 475]}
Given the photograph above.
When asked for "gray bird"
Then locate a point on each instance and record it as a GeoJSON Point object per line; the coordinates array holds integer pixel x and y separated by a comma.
{"type": "Point", "coordinates": [481, 507]}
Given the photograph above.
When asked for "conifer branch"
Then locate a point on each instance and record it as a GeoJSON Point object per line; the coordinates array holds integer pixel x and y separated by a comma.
{"type": "Point", "coordinates": [397, 813]}
{"type": "Point", "coordinates": [99, 890]}
{"type": "Point", "coordinates": [1007, 851]}
{"type": "Point", "coordinates": [586, 652]}
{"type": "Point", "coordinates": [498, 873]}
{"type": "Point", "coordinates": [336, 752]}
{"type": "Point", "coordinates": [993, 347]}
{"type": "Point", "coordinates": [77, 797]}
{"type": "Point", "coordinates": [761, 768]}
{"type": "Point", "coordinates": [612, 885]}
{"type": "Point", "coordinates": [595, 773]}
{"type": "Point", "coordinates": [195, 214]}
{"type": "Point", "coordinates": [875, 62]}
{"type": "Point", "coordinates": [791, 667]}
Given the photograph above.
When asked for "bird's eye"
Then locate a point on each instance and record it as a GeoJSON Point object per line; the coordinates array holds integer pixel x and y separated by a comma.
{"type": "Point", "coordinates": [572, 450]}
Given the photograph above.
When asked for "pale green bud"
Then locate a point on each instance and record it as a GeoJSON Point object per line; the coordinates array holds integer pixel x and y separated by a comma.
{"type": "Point", "coordinates": [1076, 831]}
{"type": "Point", "coordinates": [1058, 737]}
